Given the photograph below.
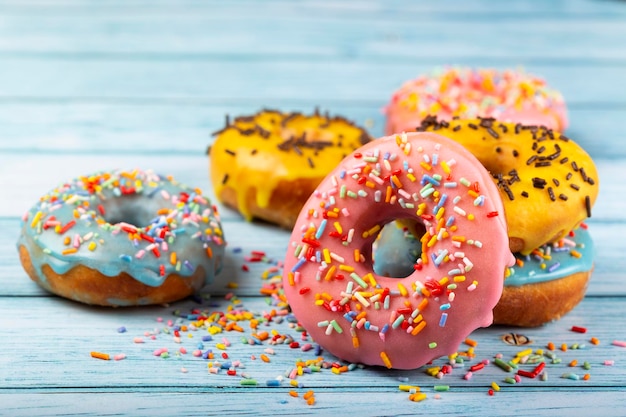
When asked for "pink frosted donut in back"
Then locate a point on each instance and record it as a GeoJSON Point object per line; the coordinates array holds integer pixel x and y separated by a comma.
{"type": "Point", "coordinates": [467, 93]}
{"type": "Point", "coordinates": [401, 323]}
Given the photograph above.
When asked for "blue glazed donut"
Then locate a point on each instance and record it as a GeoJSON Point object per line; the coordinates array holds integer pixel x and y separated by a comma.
{"type": "Point", "coordinates": [119, 238]}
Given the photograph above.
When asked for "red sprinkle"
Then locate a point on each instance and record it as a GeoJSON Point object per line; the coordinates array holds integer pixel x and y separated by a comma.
{"type": "Point", "coordinates": [578, 329]}
{"type": "Point", "coordinates": [477, 367]}
{"type": "Point", "coordinates": [527, 374]}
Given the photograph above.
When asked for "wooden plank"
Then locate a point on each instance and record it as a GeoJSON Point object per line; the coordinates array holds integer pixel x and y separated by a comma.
{"type": "Point", "coordinates": [64, 333]}
{"type": "Point", "coordinates": [185, 126]}
{"type": "Point", "coordinates": [226, 81]}
{"type": "Point", "coordinates": [265, 402]}
{"type": "Point", "coordinates": [321, 32]}
{"type": "Point", "coordinates": [374, 8]}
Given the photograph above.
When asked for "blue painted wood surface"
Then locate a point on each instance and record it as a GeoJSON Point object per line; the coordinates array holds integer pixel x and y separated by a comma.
{"type": "Point", "coordinates": [90, 85]}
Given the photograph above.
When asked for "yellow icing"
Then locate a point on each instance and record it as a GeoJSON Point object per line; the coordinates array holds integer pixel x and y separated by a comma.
{"type": "Point", "coordinates": [537, 218]}
{"type": "Point", "coordinates": [256, 153]}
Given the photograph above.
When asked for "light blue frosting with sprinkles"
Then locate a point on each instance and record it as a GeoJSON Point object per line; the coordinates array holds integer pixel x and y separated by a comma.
{"type": "Point", "coordinates": [133, 221]}
{"type": "Point", "coordinates": [561, 261]}
{"type": "Point", "coordinates": [396, 251]}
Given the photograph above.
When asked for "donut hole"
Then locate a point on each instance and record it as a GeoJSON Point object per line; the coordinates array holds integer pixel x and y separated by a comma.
{"type": "Point", "coordinates": [397, 247]}
{"type": "Point", "coordinates": [132, 209]}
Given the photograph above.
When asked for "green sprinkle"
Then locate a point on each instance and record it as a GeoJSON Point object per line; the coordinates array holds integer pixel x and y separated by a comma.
{"type": "Point", "coordinates": [358, 280]}
{"type": "Point", "coordinates": [248, 382]}
{"type": "Point", "coordinates": [432, 345]}
{"type": "Point", "coordinates": [586, 365]}
{"type": "Point", "coordinates": [336, 326]}
{"type": "Point", "coordinates": [510, 380]}
{"type": "Point", "coordinates": [440, 388]}
{"type": "Point", "coordinates": [502, 365]}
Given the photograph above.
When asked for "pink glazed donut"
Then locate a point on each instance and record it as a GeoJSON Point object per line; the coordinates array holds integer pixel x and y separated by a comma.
{"type": "Point", "coordinates": [468, 93]}
{"type": "Point", "coordinates": [401, 323]}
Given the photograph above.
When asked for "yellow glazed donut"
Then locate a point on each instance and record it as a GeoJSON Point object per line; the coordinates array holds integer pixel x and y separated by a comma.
{"type": "Point", "coordinates": [548, 183]}
{"type": "Point", "coordinates": [121, 238]}
{"type": "Point", "coordinates": [267, 165]}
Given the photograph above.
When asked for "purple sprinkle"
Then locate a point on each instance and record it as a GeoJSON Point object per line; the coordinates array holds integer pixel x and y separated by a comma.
{"type": "Point", "coordinates": [554, 266]}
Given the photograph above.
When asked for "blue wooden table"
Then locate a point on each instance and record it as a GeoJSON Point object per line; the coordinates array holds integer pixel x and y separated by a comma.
{"type": "Point", "coordinates": [133, 83]}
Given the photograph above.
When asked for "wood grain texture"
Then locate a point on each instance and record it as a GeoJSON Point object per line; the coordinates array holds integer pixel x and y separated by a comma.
{"type": "Point", "coordinates": [88, 86]}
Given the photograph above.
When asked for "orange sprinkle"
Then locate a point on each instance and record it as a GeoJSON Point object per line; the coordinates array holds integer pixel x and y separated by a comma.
{"type": "Point", "coordinates": [293, 393]}
{"type": "Point", "coordinates": [69, 251]}
{"type": "Point", "coordinates": [418, 328]}
{"type": "Point", "coordinates": [100, 355]}
{"type": "Point", "coordinates": [386, 360]}
{"type": "Point", "coordinates": [564, 347]}
{"type": "Point", "coordinates": [574, 362]}
{"type": "Point", "coordinates": [470, 342]}
{"type": "Point", "coordinates": [550, 346]}
{"type": "Point", "coordinates": [595, 341]}
{"type": "Point", "coordinates": [308, 394]}
{"type": "Point", "coordinates": [586, 377]}
{"type": "Point", "coordinates": [265, 358]}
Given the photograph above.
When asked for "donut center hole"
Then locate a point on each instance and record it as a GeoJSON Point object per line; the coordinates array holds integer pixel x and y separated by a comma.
{"type": "Point", "coordinates": [397, 248]}
{"type": "Point", "coordinates": [132, 209]}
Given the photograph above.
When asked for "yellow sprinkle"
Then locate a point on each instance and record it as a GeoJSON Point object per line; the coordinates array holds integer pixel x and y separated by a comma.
{"type": "Point", "coordinates": [338, 227]}
{"type": "Point", "coordinates": [524, 352]}
{"type": "Point", "coordinates": [445, 166]}
{"type": "Point", "coordinates": [326, 254]}
{"type": "Point", "coordinates": [92, 246]}
{"type": "Point", "coordinates": [575, 254]}
{"type": "Point", "coordinates": [409, 388]}
{"type": "Point", "coordinates": [495, 386]}
{"type": "Point", "coordinates": [36, 219]}
{"type": "Point", "coordinates": [403, 291]}
{"type": "Point", "coordinates": [220, 346]}
{"type": "Point", "coordinates": [459, 278]}
{"type": "Point", "coordinates": [396, 181]}
{"type": "Point", "coordinates": [291, 278]}
{"type": "Point", "coordinates": [173, 258]}
{"type": "Point", "coordinates": [346, 268]}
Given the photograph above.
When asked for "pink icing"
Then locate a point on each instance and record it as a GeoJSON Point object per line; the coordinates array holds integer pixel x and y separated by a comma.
{"type": "Point", "coordinates": [509, 96]}
{"type": "Point", "coordinates": [402, 323]}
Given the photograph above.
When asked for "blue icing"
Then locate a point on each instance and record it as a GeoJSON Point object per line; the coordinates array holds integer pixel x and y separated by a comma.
{"type": "Point", "coordinates": [125, 221]}
{"type": "Point", "coordinates": [561, 262]}
{"type": "Point", "coordinates": [397, 250]}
